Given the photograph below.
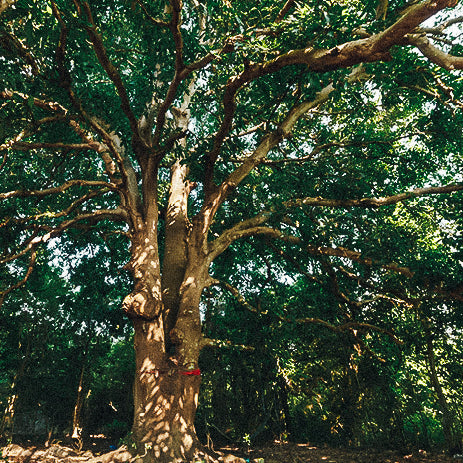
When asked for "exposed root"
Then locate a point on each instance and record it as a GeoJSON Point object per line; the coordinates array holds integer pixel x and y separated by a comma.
{"type": "Point", "coordinates": [56, 453]}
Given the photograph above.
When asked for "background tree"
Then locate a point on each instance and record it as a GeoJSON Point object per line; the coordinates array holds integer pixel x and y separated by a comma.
{"type": "Point", "coordinates": [284, 134]}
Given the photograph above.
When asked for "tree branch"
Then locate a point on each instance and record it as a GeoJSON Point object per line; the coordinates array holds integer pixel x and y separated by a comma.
{"type": "Point", "coordinates": [113, 74]}
{"type": "Point", "coordinates": [58, 189]}
{"type": "Point", "coordinates": [118, 214]}
{"type": "Point", "coordinates": [373, 203]}
{"type": "Point", "coordinates": [281, 15]}
{"type": "Point", "coordinates": [174, 26]}
{"type": "Point", "coordinates": [11, 41]}
{"type": "Point", "coordinates": [349, 326]}
{"type": "Point", "coordinates": [26, 146]}
{"type": "Point", "coordinates": [111, 140]}
{"type": "Point", "coordinates": [155, 21]}
{"type": "Point", "coordinates": [221, 243]}
{"type": "Point", "coordinates": [439, 29]}
{"type": "Point", "coordinates": [4, 4]}
{"type": "Point", "coordinates": [369, 49]}
{"type": "Point", "coordinates": [22, 282]}
{"type": "Point", "coordinates": [434, 54]}
{"type": "Point", "coordinates": [217, 196]}
{"type": "Point", "coordinates": [252, 226]}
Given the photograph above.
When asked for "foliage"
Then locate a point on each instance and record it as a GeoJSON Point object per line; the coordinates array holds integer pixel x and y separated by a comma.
{"type": "Point", "coordinates": [319, 146]}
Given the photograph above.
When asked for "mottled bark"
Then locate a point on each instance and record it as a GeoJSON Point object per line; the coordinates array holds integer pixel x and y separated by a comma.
{"type": "Point", "coordinates": [166, 397]}
{"type": "Point", "coordinates": [176, 241]}
{"type": "Point", "coordinates": [167, 330]}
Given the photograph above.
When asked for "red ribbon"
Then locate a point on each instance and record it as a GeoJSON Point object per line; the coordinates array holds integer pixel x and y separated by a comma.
{"type": "Point", "coordinates": [196, 372]}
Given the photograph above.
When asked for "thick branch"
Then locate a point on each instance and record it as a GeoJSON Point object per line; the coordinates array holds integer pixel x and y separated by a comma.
{"type": "Point", "coordinates": [409, 21]}
{"type": "Point", "coordinates": [111, 140]}
{"type": "Point", "coordinates": [269, 142]}
{"type": "Point", "coordinates": [370, 49]}
{"type": "Point", "coordinates": [356, 256]}
{"type": "Point", "coordinates": [26, 146]}
{"type": "Point", "coordinates": [4, 4]}
{"type": "Point", "coordinates": [252, 226]}
{"type": "Point", "coordinates": [13, 42]}
{"type": "Point", "coordinates": [174, 26]}
{"type": "Point", "coordinates": [434, 54]}
{"type": "Point", "coordinates": [47, 105]}
{"type": "Point", "coordinates": [281, 15]}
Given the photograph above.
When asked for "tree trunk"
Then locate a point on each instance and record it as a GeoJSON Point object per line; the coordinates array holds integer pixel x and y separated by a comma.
{"type": "Point", "coordinates": [452, 438]}
{"type": "Point", "coordinates": [76, 416]}
{"type": "Point", "coordinates": [165, 396]}
{"type": "Point", "coordinates": [166, 318]}
{"type": "Point", "coordinates": [7, 422]}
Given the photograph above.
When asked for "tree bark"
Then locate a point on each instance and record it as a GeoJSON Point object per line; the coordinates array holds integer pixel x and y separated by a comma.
{"type": "Point", "coordinates": [167, 330]}
{"type": "Point", "coordinates": [76, 416]}
{"type": "Point", "coordinates": [165, 396]}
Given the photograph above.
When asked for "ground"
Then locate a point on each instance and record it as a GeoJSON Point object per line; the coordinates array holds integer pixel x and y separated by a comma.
{"type": "Point", "coordinates": [275, 452]}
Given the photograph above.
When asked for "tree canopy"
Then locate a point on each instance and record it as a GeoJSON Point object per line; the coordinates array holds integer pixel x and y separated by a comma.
{"type": "Point", "coordinates": [277, 185]}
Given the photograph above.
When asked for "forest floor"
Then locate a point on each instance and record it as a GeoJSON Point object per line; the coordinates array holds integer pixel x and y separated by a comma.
{"type": "Point", "coordinates": [270, 453]}
{"type": "Point", "coordinates": [307, 453]}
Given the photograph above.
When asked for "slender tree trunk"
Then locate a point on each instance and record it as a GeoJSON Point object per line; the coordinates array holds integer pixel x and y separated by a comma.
{"type": "Point", "coordinates": [7, 422]}
{"type": "Point", "coordinates": [452, 440]}
{"type": "Point", "coordinates": [76, 416]}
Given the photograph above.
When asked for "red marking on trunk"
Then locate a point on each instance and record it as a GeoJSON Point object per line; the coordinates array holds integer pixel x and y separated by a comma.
{"type": "Point", "coordinates": [196, 372]}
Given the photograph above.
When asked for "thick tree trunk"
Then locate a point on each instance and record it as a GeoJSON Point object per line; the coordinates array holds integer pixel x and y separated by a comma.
{"type": "Point", "coordinates": [166, 397]}
{"type": "Point", "coordinates": [164, 309]}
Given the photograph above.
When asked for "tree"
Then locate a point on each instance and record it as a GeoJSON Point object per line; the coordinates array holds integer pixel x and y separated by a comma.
{"type": "Point", "coordinates": [184, 128]}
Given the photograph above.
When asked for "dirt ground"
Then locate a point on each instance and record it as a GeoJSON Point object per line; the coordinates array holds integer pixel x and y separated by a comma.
{"type": "Point", "coordinates": [306, 453]}
{"type": "Point", "coordinates": [271, 453]}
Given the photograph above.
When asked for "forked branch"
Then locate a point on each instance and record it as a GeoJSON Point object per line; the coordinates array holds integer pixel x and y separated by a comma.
{"type": "Point", "coordinates": [349, 326]}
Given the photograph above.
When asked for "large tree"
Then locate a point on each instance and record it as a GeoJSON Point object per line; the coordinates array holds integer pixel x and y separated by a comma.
{"type": "Point", "coordinates": [181, 128]}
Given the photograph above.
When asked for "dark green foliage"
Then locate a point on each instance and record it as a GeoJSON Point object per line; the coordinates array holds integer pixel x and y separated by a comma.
{"type": "Point", "coordinates": [319, 347]}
